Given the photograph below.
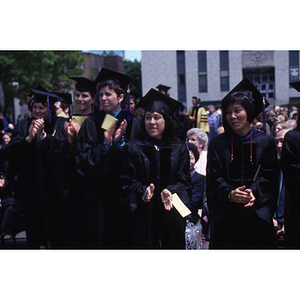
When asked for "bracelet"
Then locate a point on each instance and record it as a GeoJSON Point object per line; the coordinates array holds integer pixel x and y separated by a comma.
{"type": "Point", "coordinates": [229, 196]}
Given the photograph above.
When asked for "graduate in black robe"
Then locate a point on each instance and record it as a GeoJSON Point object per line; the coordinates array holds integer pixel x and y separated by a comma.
{"type": "Point", "coordinates": [290, 163]}
{"type": "Point", "coordinates": [242, 176]}
{"type": "Point", "coordinates": [72, 208]}
{"type": "Point", "coordinates": [98, 161]}
{"type": "Point", "coordinates": [156, 165]}
{"type": "Point", "coordinates": [33, 148]}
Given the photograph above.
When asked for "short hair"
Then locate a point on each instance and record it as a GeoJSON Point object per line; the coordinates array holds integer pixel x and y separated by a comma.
{"type": "Point", "coordinates": [291, 123]}
{"type": "Point", "coordinates": [194, 149]}
{"type": "Point", "coordinates": [246, 101]}
{"type": "Point", "coordinates": [197, 99]}
{"type": "Point", "coordinates": [210, 106]}
{"type": "Point", "coordinates": [112, 85]}
{"type": "Point", "coordinates": [201, 135]}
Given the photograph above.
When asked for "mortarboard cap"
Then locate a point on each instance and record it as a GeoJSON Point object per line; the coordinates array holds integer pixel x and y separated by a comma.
{"type": "Point", "coordinates": [64, 97]}
{"type": "Point", "coordinates": [157, 101]}
{"type": "Point", "coordinates": [84, 84]}
{"type": "Point", "coordinates": [296, 85]}
{"type": "Point", "coordinates": [41, 96]}
{"type": "Point", "coordinates": [121, 79]}
{"type": "Point", "coordinates": [163, 88]}
{"type": "Point", "coordinates": [135, 94]}
{"type": "Point", "coordinates": [246, 85]}
{"type": "Point", "coordinates": [38, 88]}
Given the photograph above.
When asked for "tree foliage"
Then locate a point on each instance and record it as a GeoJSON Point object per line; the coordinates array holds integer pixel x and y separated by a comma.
{"type": "Point", "coordinates": [134, 69]}
{"type": "Point", "coordinates": [32, 68]}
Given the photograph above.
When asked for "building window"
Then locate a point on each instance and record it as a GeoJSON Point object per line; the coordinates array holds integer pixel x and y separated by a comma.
{"type": "Point", "coordinates": [294, 65]}
{"type": "Point", "coordinates": [181, 76]}
{"type": "Point", "coordinates": [224, 71]}
{"type": "Point", "coordinates": [263, 79]}
{"type": "Point", "coordinates": [202, 72]}
{"type": "Point", "coordinates": [181, 79]}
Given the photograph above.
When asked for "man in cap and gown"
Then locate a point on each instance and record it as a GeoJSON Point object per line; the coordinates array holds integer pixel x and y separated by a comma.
{"type": "Point", "coordinates": [63, 105]}
{"type": "Point", "coordinates": [198, 116]}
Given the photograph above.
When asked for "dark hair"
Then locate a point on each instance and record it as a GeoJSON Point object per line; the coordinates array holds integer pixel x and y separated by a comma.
{"type": "Point", "coordinates": [194, 149]}
{"type": "Point", "coordinates": [197, 99]}
{"type": "Point", "coordinates": [298, 121]}
{"type": "Point", "coordinates": [124, 101]}
{"type": "Point", "coordinates": [64, 105]}
{"type": "Point", "coordinates": [169, 134]}
{"type": "Point", "coordinates": [244, 98]}
{"type": "Point", "coordinates": [31, 101]}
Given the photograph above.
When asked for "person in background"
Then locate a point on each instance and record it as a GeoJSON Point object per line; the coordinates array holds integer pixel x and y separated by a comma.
{"type": "Point", "coordinates": [155, 166]}
{"type": "Point", "coordinates": [3, 124]}
{"type": "Point", "coordinates": [197, 115]}
{"type": "Point", "coordinates": [164, 89]}
{"type": "Point", "coordinates": [197, 184]}
{"type": "Point", "coordinates": [19, 118]}
{"type": "Point", "coordinates": [278, 219]}
{"type": "Point", "coordinates": [277, 125]}
{"type": "Point", "coordinates": [213, 121]}
{"type": "Point", "coordinates": [198, 137]}
{"type": "Point", "coordinates": [242, 176]}
{"type": "Point", "coordinates": [134, 108]}
{"type": "Point", "coordinates": [290, 164]}
{"type": "Point", "coordinates": [63, 105]}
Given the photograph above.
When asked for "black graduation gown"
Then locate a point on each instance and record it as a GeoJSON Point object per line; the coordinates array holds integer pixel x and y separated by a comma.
{"type": "Point", "coordinates": [290, 163]}
{"type": "Point", "coordinates": [151, 226]}
{"type": "Point", "coordinates": [72, 199]}
{"type": "Point", "coordinates": [197, 195]}
{"type": "Point", "coordinates": [106, 219]}
{"type": "Point", "coordinates": [32, 169]}
{"type": "Point", "coordinates": [234, 225]}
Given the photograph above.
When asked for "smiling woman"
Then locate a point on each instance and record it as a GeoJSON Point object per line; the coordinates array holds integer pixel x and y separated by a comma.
{"type": "Point", "coordinates": [155, 166]}
{"type": "Point", "coordinates": [34, 144]}
{"type": "Point", "coordinates": [242, 176]}
{"type": "Point", "coordinates": [236, 117]}
{"type": "Point", "coordinates": [155, 125]}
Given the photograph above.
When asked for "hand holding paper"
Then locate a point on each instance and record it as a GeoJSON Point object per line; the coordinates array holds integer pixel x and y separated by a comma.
{"type": "Point", "coordinates": [179, 205]}
{"type": "Point", "coordinates": [78, 119]}
{"type": "Point", "coordinates": [109, 122]}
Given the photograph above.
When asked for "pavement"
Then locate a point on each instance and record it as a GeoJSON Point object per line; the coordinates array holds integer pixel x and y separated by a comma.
{"type": "Point", "coordinates": [19, 241]}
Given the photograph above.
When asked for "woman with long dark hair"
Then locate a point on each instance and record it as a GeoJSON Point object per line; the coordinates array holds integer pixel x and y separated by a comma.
{"type": "Point", "coordinates": [155, 166]}
{"type": "Point", "coordinates": [242, 175]}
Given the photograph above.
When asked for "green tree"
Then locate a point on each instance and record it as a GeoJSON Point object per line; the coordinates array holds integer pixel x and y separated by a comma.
{"type": "Point", "coordinates": [133, 68]}
{"type": "Point", "coordinates": [31, 68]}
